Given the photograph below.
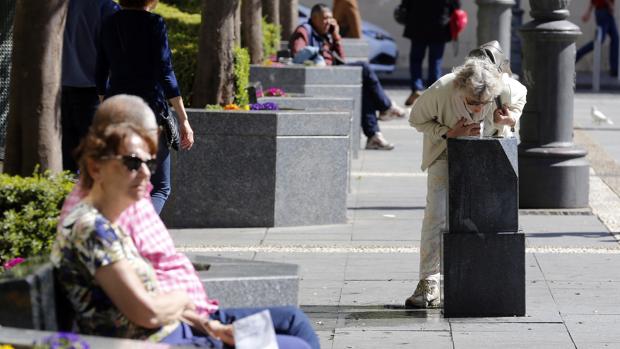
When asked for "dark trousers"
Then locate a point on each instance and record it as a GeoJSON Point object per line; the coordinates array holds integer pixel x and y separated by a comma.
{"type": "Point", "coordinates": [161, 178]}
{"type": "Point", "coordinates": [373, 99]}
{"type": "Point", "coordinates": [78, 106]}
{"type": "Point", "coordinates": [606, 21]}
{"type": "Point", "coordinates": [416, 57]}
{"type": "Point", "coordinates": [289, 321]}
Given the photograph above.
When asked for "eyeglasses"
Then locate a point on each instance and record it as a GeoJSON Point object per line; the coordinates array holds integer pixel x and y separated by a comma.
{"type": "Point", "coordinates": [476, 103]}
{"type": "Point", "coordinates": [133, 162]}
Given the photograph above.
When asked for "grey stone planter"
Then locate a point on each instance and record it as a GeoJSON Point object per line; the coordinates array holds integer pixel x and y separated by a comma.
{"type": "Point", "coordinates": [261, 169]}
{"type": "Point", "coordinates": [341, 81]}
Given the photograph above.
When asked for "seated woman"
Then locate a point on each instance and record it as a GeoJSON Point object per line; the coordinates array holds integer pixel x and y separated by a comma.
{"type": "Point", "coordinates": [112, 289]}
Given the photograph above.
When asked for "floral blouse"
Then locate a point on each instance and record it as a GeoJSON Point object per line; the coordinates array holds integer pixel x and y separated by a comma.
{"type": "Point", "coordinates": [86, 241]}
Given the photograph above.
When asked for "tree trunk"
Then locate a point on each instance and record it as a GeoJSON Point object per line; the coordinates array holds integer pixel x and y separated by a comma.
{"type": "Point", "coordinates": [33, 134]}
{"type": "Point", "coordinates": [238, 24]}
{"type": "Point", "coordinates": [214, 82]}
{"type": "Point", "coordinates": [271, 11]}
{"type": "Point", "coordinates": [288, 17]}
{"type": "Point", "coordinates": [251, 29]}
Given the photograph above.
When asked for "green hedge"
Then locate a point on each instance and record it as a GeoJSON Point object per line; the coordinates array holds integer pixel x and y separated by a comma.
{"type": "Point", "coordinates": [271, 39]}
{"type": "Point", "coordinates": [29, 210]}
{"type": "Point", "coordinates": [242, 75]}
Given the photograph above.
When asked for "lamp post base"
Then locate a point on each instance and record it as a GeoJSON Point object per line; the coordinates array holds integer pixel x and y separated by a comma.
{"type": "Point", "coordinates": [553, 177]}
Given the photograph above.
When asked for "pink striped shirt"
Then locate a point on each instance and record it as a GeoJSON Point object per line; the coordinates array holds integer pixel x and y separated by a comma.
{"type": "Point", "coordinates": [174, 270]}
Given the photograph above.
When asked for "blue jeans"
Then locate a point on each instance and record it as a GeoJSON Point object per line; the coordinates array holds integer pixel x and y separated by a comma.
{"type": "Point", "coordinates": [78, 106]}
{"type": "Point", "coordinates": [186, 336]}
{"type": "Point", "coordinates": [373, 99]}
{"type": "Point", "coordinates": [161, 178]}
{"type": "Point", "coordinates": [416, 56]}
{"type": "Point", "coordinates": [289, 321]}
{"type": "Point", "coordinates": [606, 21]}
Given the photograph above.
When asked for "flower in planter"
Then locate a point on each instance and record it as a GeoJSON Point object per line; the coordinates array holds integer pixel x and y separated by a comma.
{"type": "Point", "coordinates": [232, 107]}
{"type": "Point", "coordinates": [264, 106]}
{"type": "Point", "coordinates": [275, 92]}
{"type": "Point", "coordinates": [62, 340]}
{"type": "Point", "coordinates": [6, 346]}
{"type": "Point", "coordinates": [13, 262]}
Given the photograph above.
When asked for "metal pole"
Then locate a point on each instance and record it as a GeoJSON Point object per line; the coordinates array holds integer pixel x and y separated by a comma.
{"type": "Point", "coordinates": [553, 171]}
{"type": "Point", "coordinates": [494, 19]}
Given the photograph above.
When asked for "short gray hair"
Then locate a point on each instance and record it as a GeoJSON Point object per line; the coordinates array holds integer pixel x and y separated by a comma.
{"type": "Point", "coordinates": [124, 108]}
{"type": "Point", "coordinates": [478, 78]}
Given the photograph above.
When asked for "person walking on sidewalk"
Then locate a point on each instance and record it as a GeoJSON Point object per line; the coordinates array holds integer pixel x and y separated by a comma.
{"type": "Point", "coordinates": [428, 28]}
{"type": "Point", "coordinates": [452, 107]}
{"type": "Point", "coordinates": [605, 21]}
{"type": "Point", "coordinates": [79, 99]}
{"type": "Point", "coordinates": [320, 36]}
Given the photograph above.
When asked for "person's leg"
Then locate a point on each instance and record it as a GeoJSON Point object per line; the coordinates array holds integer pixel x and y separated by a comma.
{"type": "Point", "coordinates": [184, 335]}
{"type": "Point", "coordinates": [435, 59]}
{"type": "Point", "coordinates": [372, 87]}
{"type": "Point", "coordinates": [427, 293]}
{"type": "Point", "coordinates": [434, 220]}
{"type": "Point", "coordinates": [161, 178]}
{"type": "Point", "coordinates": [612, 31]}
{"type": "Point", "coordinates": [416, 56]}
{"type": "Point", "coordinates": [78, 107]}
{"type": "Point", "coordinates": [287, 320]}
{"type": "Point", "coordinates": [290, 342]}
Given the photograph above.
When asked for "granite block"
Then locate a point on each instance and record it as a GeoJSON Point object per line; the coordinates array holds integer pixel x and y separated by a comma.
{"type": "Point", "coordinates": [484, 274]}
{"type": "Point", "coordinates": [483, 185]}
{"type": "Point", "coordinates": [243, 283]}
{"type": "Point", "coordinates": [355, 49]}
{"type": "Point", "coordinates": [29, 301]}
{"type": "Point", "coordinates": [255, 169]}
{"type": "Point", "coordinates": [303, 196]}
{"type": "Point", "coordinates": [340, 82]}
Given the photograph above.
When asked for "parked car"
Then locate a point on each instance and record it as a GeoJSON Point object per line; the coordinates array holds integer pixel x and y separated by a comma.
{"type": "Point", "coordinates": [382, 53]}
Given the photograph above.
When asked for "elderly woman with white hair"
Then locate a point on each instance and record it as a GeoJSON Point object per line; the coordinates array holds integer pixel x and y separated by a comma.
{"type": "Point", "coordinates": [455, 105]}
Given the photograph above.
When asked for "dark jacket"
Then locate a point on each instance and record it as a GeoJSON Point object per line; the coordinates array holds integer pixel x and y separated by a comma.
{"type": "Point", "coordinates": [428, 21]}
{"type": "Point", "coordinates": [134, 58]}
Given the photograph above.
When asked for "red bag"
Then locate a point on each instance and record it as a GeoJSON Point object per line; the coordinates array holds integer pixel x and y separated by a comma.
{"type": "Point", "coordinates": [458, 22]}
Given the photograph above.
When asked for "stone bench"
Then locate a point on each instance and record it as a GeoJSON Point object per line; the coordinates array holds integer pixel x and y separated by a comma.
{"type": "Point", "coordinates": [35, 301]}
{"type": "Point", "coordinates": [330, 82]}
{"type": "Point", "coordinates": [261, 169]}
{"type": "Point", "coordinates": [355, 50]}
{"type": "Point", "coordinates": [24, 338]}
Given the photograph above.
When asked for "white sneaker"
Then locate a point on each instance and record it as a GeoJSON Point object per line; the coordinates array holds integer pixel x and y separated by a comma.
{"type": "Point", "coordinates": [394, 112]}
{"type": "Point", "coordinates": [426, 295]}
{"type": "Point", "coordinates": [377, 142]}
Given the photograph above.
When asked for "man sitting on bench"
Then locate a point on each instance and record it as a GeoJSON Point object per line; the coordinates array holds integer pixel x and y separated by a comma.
{"type": "Point", "coordinates": [319, 39]}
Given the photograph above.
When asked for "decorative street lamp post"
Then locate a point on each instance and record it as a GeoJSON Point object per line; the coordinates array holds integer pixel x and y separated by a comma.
{"type": "Point", "coordinates": [553, 171]}
{"type": "Point", "coordinates": [494, 19]}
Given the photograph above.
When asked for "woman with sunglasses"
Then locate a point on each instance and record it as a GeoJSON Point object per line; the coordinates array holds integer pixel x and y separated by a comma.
{"type": "Point", "coordinates": [134, 58]}
{"type": "Point", "coordinates": [112, 289]}
{"type": "Point", "coordinates": [456, 105]}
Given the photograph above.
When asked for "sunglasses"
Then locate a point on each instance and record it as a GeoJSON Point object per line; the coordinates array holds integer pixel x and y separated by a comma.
{"type": "Point", "coordinates": [133, 162]}
{"type": "Point", "coordinates": [476, 103]}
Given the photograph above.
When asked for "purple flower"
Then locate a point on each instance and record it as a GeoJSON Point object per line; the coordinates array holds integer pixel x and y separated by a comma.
{"type": "Point", "coordinates": [65, 340]}
{"type": "Point", "coordinates": [13, 262]}
{"type": "Point", "coordinates": [264, 106]}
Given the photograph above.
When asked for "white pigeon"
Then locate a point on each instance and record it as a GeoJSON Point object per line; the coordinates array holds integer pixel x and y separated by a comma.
{"type": "Point", "coordinates": [598, 117]}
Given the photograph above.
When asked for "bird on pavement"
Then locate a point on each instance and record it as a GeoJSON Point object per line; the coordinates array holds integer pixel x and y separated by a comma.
{"type": "Point", "coordinates": [598, 117]}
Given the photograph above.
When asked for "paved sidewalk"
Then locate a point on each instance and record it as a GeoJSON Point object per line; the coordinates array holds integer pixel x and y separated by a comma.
{"type": "Point", "coordinates": [356, 276]}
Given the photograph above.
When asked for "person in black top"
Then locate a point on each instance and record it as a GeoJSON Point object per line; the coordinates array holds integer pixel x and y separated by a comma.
{"type": "Point", "coordinates": [428, 27]}
{"type": "Point", "coordinates": [135, 59]}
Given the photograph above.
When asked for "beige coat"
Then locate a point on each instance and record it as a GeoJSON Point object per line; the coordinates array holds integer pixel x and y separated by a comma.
{"type": "Point", "coordinates": [439, 108]}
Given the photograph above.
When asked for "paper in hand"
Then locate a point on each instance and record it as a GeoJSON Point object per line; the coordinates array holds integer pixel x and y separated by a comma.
{"type": "Point", "coordinates": [255, 332]}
